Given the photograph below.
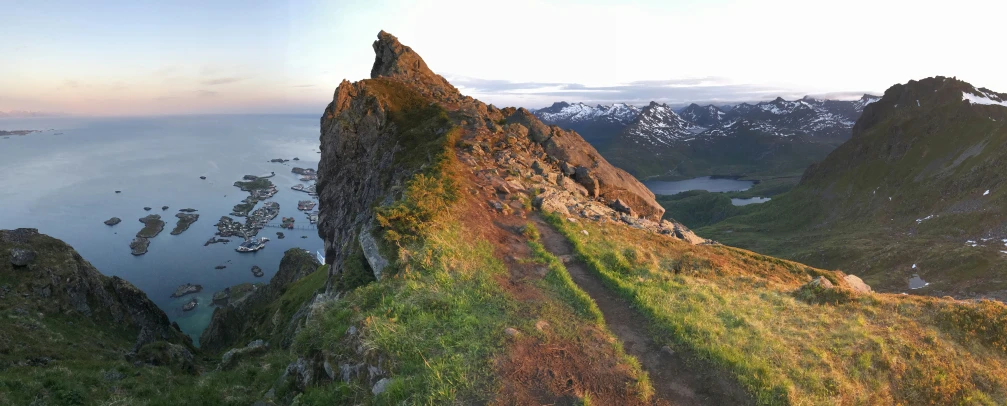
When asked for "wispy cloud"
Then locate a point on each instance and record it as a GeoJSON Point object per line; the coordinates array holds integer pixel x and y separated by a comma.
{"type": "Point", "coordinates": [672, 91]}
{"type": "Point", "coordinates": [303, 86]}
{"type": "Point", "coordinates": [206, 93]}
{"type": "Point", "coordinates": [221, 81]}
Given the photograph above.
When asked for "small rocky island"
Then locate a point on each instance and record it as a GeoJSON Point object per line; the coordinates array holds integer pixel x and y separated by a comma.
{"type": "Point", "coordinates": [184, 221]}
{"type": "Point", "coordinates": [191, 305]}
{"type": "Point", "coordinates": [17, 132]}
{"type": "Point", "coordinates": [256, 271]}
{"type": "Point", "coordinates": [147, 208]}
{"type": "Point", "coordinates": [186, 289]}
{"type": "Point", "coordinates": [152, 226]}
{"type": "Point", "coordinates": [113, 221]}
{"type": "Point", "coordinates": [139, 245]}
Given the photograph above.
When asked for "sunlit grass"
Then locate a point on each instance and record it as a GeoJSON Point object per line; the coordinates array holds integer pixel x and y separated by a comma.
{"type": "Point", "coordinates": [748, 314]}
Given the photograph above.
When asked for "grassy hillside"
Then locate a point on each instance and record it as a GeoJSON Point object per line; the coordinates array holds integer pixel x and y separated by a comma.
{"type": "Point", "coordinates": [790, 343]}
{"type": "Point", "coordinates": [909, 189]}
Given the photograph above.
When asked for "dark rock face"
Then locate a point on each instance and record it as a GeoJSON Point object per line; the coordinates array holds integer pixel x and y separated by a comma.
{"type": "Point", "coordinates": [231, 320]}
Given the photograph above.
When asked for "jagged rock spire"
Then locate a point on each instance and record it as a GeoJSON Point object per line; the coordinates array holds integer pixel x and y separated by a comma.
{"type": "Point", "coordinates": [394, 60]}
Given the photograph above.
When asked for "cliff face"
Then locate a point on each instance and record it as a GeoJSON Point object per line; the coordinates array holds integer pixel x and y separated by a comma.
{"type": "Point", "coordinates": [377, 132]}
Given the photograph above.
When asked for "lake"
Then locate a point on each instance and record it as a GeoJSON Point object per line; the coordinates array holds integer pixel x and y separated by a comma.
{"type": "Point", "coordinates": [751, 200]}
{"type": "Point", "coordinates": [63, 183]}
{"type": "Point", "coordinates": [704, 183]}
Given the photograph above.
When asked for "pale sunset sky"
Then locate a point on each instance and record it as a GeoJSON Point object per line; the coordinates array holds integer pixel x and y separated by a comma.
{"type": "Point", "coordinates": [112, 58]}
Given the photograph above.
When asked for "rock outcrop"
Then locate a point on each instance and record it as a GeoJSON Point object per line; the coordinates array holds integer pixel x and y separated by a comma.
{"type": "Point", "coordinates": [233, 319]}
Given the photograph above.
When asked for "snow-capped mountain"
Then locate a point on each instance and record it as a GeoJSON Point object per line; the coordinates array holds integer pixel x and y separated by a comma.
{"type": "Point", "coordinates": [598, 124]}
{"type": "Point", "coordinates": [781, 135]}
{"type": "Point", "coordinates": [704, 116]}
{"type": "Point", "coordinates": [563, 112]}
{"type": "Point", "coordinates": [659, 124]}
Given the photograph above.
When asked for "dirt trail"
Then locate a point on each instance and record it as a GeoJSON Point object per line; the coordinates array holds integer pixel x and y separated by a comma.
{"type": "Point", "coordinates": [673, 379]}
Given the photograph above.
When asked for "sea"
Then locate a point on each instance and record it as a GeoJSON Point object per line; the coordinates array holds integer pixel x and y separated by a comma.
{"type": "Point", "coordinates": [62, 181]}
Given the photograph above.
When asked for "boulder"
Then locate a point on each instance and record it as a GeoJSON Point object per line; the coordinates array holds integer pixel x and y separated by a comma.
{"type": "Point", "coordinates": [147, 208]}
{"type": "Point", "coordinates": [164, 208]}
{"type": "Point", "coordinates": [380, 386]}
{"type": "Point", "coordinates": [257, 271]}
{"type": "Point", "coordinates": [857, 284]}
{"type": "Point", "coordinates": [821, 282]}
{"type": "Point", "coordinates": [21, 257]}
{"type": "Point", "coordinates": [113, 221]}
{"type": "Point", "coordinates": [373, 255]}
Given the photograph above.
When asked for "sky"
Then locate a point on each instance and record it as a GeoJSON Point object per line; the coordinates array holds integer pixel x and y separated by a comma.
{"type": "Point", "coordinates": [111, 58]}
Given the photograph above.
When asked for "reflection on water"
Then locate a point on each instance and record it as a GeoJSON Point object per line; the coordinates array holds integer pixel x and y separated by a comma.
{"type": "Point", "coordinates": [916, 282]}
{"type": "Point", "coordinates": [748, 201]}
{"type": "Point", "coordinates": [704, 183]}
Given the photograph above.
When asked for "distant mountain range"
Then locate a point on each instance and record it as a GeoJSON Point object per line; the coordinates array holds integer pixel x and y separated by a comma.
{"type": "Point", "coordinates": [24, 113]}
{"type": "Point", "coordinates": [772, 137]}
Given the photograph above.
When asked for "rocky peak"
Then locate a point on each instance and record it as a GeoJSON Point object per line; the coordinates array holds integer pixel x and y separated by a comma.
{"type": "Point", "coordinates": [394, 60]}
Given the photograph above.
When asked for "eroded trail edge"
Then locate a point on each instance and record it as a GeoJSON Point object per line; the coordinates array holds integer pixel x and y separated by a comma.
{"type": "Point", "coordinates": [673, 377]}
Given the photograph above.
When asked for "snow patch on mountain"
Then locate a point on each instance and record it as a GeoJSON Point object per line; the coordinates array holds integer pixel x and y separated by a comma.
{"type": "Point", "coordinates": [580, 112]}
{"type": "Point", "coordinates": [987, 98]}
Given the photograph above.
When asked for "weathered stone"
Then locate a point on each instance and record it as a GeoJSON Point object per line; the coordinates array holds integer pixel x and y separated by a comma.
{"type": "Point", "coordinates": [821, 282]}
{"type": "Point", "coordinates": [380, 387]}
{"type": "Point", "coordinates": [21, 257]}
{"type": "Point", "coordinates": [372, 252]}
{"type": "Point", "coordinates": [622, 207]}
{"type": "Point", "coordinates": [857, 284]}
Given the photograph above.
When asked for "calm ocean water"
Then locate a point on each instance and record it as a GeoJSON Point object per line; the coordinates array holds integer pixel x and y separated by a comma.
{"type": "Point", "coordinates": [64, 185]}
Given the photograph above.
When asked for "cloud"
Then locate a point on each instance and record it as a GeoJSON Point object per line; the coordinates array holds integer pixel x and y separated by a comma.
{"type": "Point", "coordinates": [672, 91]}
{"type": "Point", "coordinates": [221, 81]}
{"type": "Point", "coordinates": [73, 84]}
{"type": "Point", "coordinates": [303, 86]}
{"type": "Point", "coordinates": [206, 93]}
